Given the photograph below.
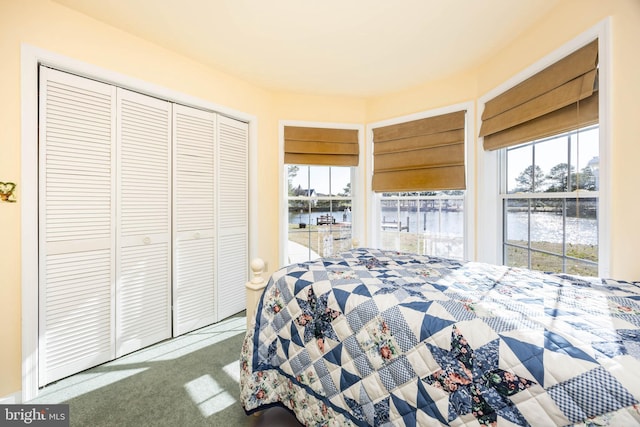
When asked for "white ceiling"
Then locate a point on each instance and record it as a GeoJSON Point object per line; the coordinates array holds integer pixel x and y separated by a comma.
{"type": "Point", "coordinates": [358, 48]}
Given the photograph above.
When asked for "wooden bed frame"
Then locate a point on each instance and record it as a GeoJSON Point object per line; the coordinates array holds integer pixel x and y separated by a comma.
{"type": "Point", "coordinates": [254, 288]}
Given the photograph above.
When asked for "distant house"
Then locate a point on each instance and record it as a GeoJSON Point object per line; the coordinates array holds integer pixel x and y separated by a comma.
{"type": "Point", "coordinates": [303, 192]}
{"type": "Point", "coordinates": [295, 205]}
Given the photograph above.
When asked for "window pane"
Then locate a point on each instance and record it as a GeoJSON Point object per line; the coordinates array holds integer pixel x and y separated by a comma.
{"type": "Point", "coordinates": [325, 240]}
{"type": "Point", "coordinates": [389, 211]}
{"type": "Point", "coordinates": [516, 218]}
{"type": "Point", "coordinates": [319, 224]}
{"type": "Point", "coordinates": [390, 224]}
{"type": "Point", "coordinates": [298, 180]}
{"type": "Point", "coordinates": [582, 228]}
{"type": "Point", "coordinates": [319, 181]}
{"type": "Point", "coordinates": [584, 155]}
{"type": "Point", "coordinates": [321, 207]}
{"type": "Point", "coordinates": [558, 233]}
{"type": "Point", "coordinates": [442, 223]}
{"type": "Point", "coordinates": [519, 159]}
{"type": "Point", "coordinates": [340, 181]}
{"type": "Point", "coordinates": [340, 234]}
{"type": "Point", "coordinates": [333, 238]}
{"type": "Point", "coordinates": [545, 262]}
{"type": "Point", "coordinates": [552, 156]}
{"type": "Point", "coordinates": [581, 268]}
{"type": "Point", "coordinates": [410, 242]}
{"type": "Point", "coordinates": [516, 257]}
{"type": "Point", "coordinates": [547, 225]}
{"type": "Point", "coordinates": [301, 245]}
{"type": "Point", "coordinates": [343, 211]}
{"type": "Point", "coordinates": [390, 240]}
{"type": "Point", "coordinates": [447, 246]}
{"type": "Point", "coordinates": [299, 212]}
{"type": "Point", "coordinates": [432, 224]}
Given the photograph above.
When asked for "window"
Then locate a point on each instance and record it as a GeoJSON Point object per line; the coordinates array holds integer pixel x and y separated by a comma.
{"type": "Point", "coordinates": [550, 203]}
{"type": "Point", "coordinates": [419, 182]}
{"type": "Point", "coordinates": [320, 164]}
{"type": "Point", "coordinates": [546, 130]}
{"type": "Point", "coordinates": [429, 223]}
{"type": "Point", "coordinates": [319, 205]}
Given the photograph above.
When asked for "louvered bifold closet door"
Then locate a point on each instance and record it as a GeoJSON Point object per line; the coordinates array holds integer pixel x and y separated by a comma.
{"type": "Point", "coordinates": [233, 216]}
{"type": "Point", "coordinates": [76, 225]}
{"type": "Point", "coordinates": [143, 287]}
{"type": "Point", "coordinates": [194, 237]}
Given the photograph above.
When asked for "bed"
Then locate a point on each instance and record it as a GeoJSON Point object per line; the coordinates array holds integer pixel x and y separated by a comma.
{"type": "Point", "coordinates": [382, 338]}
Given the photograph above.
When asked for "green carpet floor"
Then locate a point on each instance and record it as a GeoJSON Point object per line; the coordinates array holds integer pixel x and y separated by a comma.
{"type": "Point", "coordinates": [191, 380]}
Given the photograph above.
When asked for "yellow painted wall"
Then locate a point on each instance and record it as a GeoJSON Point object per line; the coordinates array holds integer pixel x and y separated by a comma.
{"type": "Point", "coordinates": [564, 24]}
{"type": "Point", "coordinates": [568, 20]}
{"type": "Point", "coordinates": [431, 95]}
{"type": "Point", "coordinates": [52, 27]}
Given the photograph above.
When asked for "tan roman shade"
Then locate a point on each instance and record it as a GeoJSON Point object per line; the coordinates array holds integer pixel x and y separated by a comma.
{"type": "Point", "coordinates": [320, 146]}
{"type": "Point", "coordinates": [559, 98]}
{"type": "Point", "coordinates": [420, 155]}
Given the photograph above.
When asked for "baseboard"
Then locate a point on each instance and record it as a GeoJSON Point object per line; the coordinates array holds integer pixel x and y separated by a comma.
{"type": "Point", "coordinates": [11, 399]}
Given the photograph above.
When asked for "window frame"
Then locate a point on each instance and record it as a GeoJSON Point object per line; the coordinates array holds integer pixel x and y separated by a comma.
{"type": "Point", "coordinates": [315, 199]}
{"type": "Point", "coordinates": [490, 215]}
{"type": "Point", "coordinates": [566, 196]}
{"type": "Point", "coordinates": [374, 199]}
{"type": "Point", "coordinates": [358, 217]}
{"type": "Point", "coordinates": [416, 197]}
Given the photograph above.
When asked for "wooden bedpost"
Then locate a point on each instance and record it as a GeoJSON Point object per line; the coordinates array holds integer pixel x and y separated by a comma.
{"type": "Point", "coordinates": [254, 288]}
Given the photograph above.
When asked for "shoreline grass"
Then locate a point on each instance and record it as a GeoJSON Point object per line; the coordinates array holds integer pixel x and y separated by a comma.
{"type": "Point", "coordinates": [545, 256]}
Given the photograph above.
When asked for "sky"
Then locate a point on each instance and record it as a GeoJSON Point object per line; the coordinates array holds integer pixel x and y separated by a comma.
{"type": "Point", "coordinates": [583, 148]}
{"type": "Point", "coordinates": [318, 178]}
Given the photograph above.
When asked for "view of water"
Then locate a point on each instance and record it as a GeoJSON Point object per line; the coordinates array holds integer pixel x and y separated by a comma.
{"type": "Point", "coordinates": [311, 218]}
{"type": "Point", "coordinates": [545, 226]}
{"type": "Point", "coordinates": [448, 223]}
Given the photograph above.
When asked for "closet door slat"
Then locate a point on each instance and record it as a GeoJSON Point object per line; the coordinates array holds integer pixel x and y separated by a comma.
{"type": "Point", "coordinates": [194, 219]}
{"type": "Point", "coordinates": [232, 215]}
{"type": "Point", "coordinates": [76, 227]}
{"type": "Point", "coordinates": [143, 221]}
{"type": "Point", "coordinates": [143, 290]}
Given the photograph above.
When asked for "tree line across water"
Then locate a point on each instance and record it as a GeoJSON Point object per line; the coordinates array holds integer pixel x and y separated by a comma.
{"type": "Point", "coordinates": [561, 178]}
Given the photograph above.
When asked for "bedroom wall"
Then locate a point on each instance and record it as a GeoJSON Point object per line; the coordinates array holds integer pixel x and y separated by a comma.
{"type": "Point", "coordinates": [62, 31]}
{"type": "Point", "coordinates": [562, 25]}
{"type": "Point", "coordinates": [49, 26]}
{"type": "Point", "coordinates": [569, 19]}
{"type": "Point", "coordinates": [52, 27]}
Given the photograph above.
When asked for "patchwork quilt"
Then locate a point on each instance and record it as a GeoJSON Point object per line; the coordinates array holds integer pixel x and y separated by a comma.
{"type": "Point", "coordinates": [381, 338]}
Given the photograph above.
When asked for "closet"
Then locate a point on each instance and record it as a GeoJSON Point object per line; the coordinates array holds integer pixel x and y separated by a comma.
{"type": "Point", "coordinates": [143, 227]}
